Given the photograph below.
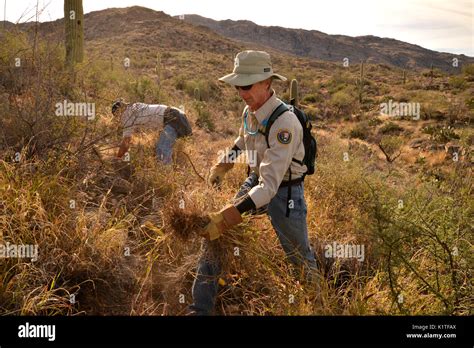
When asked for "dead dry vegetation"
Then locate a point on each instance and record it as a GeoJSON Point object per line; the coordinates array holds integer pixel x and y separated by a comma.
{"type": "Point", "coordinates": [115, 239]}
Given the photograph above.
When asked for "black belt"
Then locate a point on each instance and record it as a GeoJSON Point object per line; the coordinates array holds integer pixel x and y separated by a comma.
{"type": "Point", "coordinates": [291, 183]}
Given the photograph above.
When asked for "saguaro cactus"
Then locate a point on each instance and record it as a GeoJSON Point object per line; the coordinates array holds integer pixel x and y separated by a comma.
{"type": "Point", "coordinates": [404, 76]}
{"type": "Point", "coordinates": [431, 74]}
{"type": "Point", "coordinates": [361, 81]}
{"type": "Point", "coordinates": [74, 24]}
{"type": "Point", "coordinates": [159, 73]}
{"type": "Point", "coordinates": [158, 64]}
{"type": "Point", "coordinates": [294, 93]}
{"type": "Point", "coordinates": [197, 94]}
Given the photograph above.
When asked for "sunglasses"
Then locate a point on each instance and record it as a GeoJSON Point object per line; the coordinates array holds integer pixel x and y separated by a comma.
{"type": "Point", "coordinates": [245, 88]}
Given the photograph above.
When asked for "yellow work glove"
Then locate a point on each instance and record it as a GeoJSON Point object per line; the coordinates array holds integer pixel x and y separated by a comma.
{"type": "Point", "coordinates": [221, 222]}
{"type": "Point", "coordinates": [218, 172]}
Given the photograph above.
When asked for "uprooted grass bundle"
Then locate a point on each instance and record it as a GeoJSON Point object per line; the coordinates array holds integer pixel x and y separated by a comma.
{"type": "Point", "coordinates": [189, 223]}
{"type": "Point", "coordinates": [183, 224]}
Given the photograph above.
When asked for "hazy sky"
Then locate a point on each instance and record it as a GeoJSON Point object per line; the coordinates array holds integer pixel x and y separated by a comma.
{"type": "Point", "coordinates": [440, 25]}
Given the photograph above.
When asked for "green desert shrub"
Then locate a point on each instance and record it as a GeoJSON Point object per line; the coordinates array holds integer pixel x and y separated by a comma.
{"type": "Point", "coordinates": [343, 102]}
{"type": "Point", "coordinates": [440, 134]}
{"type": "Point", "coordinates": [391, 128]}
{"type": "Point", "coordinates": [360, 131]}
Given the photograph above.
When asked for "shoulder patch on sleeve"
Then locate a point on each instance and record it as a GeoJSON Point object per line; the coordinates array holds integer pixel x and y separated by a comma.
{"type": "Point", "coordinates": [284, 136]}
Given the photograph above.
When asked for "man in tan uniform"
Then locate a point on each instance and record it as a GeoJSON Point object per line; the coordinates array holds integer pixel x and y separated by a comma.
{"type": "Point", "coordinates": [276, 179]}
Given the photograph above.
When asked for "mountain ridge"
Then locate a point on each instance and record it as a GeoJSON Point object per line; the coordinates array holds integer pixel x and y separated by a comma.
{"type": "Point", "coordinates": [318, 45]}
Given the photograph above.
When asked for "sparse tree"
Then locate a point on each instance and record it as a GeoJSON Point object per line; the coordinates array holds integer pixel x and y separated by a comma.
{"type": "Point", "coordinates": [390, 147]}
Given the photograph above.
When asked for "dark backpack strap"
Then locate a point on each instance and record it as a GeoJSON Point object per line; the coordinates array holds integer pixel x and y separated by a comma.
{"type": "Point", "coordinates": [282, 108]}
{"type": "Point", "coordinates": [298, 161]}
{"type": "Point", "coordinates": [271, 120]}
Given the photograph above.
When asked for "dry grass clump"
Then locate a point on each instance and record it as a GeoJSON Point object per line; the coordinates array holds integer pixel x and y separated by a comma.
{"type": "Point", "coordinates": [183, 224]}
{"type": "Point", "coordinates": [81, 266]}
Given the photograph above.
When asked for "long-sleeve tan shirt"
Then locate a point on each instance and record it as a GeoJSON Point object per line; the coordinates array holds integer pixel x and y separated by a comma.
{"type": "Point", "coordinates": [272, 163]}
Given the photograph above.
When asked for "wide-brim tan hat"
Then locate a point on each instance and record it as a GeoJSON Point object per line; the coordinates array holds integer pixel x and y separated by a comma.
{"type": "Point", "coordinates": [251, 67]}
